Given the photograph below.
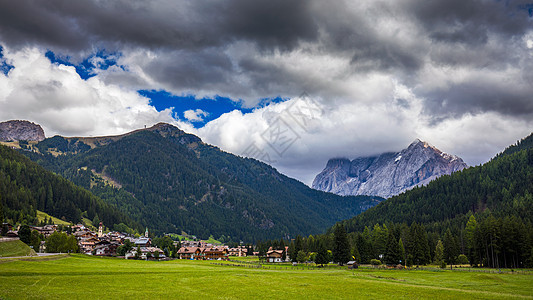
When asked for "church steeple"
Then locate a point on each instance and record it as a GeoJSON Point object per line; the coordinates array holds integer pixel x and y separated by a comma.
{"type": "Point", "coordinates": [146, 232]}
{"type": "Point", "coordinates": [100, 230]}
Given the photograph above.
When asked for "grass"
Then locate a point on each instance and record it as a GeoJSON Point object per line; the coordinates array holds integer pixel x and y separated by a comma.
{"type": "Point", "coordinates": [85, 277]}
{"type": "Point", "coordinates": [41, 215]}
{"type": "Point", "coordinates": [15, 248]}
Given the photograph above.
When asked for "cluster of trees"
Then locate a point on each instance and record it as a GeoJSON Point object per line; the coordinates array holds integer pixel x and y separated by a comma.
{"type": "Point", "coordinates": [26, 187]}
{"type": "Point", "coordinates": [504, 185]}
{"type": "Point", "coordinates": [61, 242]}
{"type": "Point", "coordinates": [58, 241]}
{"type": "Point", "coordinates": [482, 215]}
{"type": "Point", "coordinates": [483, 241]}
{"type": "Point", "coordinates": [31, 237]}
{"type": "Point", "coordinates": [172, 182]}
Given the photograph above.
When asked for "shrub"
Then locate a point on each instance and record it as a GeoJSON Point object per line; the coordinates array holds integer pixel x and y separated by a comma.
{"type": "Point", "coordinates": [462, 259]}
{"type": "Point", "coordinates": [375, 262]}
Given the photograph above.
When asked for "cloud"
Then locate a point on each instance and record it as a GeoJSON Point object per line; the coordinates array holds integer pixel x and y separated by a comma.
{"type": "Point", "coordinates": [55, 96]}
{"type": "Point", "coordinates": [197, 115]}
{"type": "Point", "coordinates": [383, 73]}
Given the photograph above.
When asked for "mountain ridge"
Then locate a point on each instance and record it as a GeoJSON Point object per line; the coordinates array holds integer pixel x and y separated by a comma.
{"type": "Point", "coordinates": [172, 181]}
{"type": "Point", "coordinates": [20, 130]}
{"type": "Point", "coordinates": [389, 173]}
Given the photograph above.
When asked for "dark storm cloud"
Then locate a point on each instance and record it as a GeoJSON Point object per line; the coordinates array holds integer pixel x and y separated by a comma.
{"type": "Point", "coordinates": [470, 22]}
{"type": "Point", "coordinates": [74, 25]}
{"type": "Point", "coordinates": [478, 97]}
{"type": "Point", "coordinates": [191, 41]}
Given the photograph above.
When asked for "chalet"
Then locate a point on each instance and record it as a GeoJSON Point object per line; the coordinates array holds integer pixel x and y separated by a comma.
{"type": "Point", "coordinates": [87, 245]}
{"type": "Point", "coordinates": [12, 234]}
{"type": "Point", "coordinates": [142, 242]}
{"type": "Point", "coordinates": [45, 230]}
{"type": "Point", "coordinates": [189, 253]}
{"type": "Point", "coordinates": [239, 251]}
{"type": "Point", "coordinates": [274, 256]}
{"type": "Point", "coordinates": [144, 253]}
{"type": "Point", "coordinates": [106, 248]}
{"type": "Point", "coordinates": [84, 234]}
{"type": "Point", "coordinates": [78, 227]}
{"type": "Point", "coordinates": [215, 253]}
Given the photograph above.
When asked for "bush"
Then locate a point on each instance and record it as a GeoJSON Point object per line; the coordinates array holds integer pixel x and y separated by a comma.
{"type": "Point", "coordinates": [443, 265]}
{"type": "Point", "coordinates": [375, 262]}
{"type": "Point", "coordinates": [462, 259]}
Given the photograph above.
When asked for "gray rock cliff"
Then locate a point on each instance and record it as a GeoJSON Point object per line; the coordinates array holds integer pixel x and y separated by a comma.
{"type": "Point", "coordinates": [18, 130]}
{"type": "Point", "coordinates": [388, 174]}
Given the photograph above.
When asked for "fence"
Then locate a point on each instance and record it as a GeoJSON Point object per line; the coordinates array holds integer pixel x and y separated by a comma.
{"type": "Point", "coordinates": [255, 265]}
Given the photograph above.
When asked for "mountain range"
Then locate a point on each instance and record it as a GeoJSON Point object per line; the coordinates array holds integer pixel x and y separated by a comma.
{"type": "Point", "coordinates": [171, 181]}
{"type": "Point", "coordinates": [388, 174]}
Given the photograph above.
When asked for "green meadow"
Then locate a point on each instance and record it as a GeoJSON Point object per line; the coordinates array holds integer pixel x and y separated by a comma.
{"type": "Point", "coordinates": [85, 277]}
{"type": "Point", "coordinates": [15, 248]}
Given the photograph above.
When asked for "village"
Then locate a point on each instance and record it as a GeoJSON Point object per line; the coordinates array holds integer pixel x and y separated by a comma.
{"type": "Point", "coordinates": [102, 243]}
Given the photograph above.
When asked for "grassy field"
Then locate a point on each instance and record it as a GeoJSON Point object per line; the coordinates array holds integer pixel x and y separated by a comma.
{"type": "Point", "coordinates": [85, 277]}
{"type": "Point", "coordinates": [41, 215]}
{"type": "Point", "coordinates": [15, 248]}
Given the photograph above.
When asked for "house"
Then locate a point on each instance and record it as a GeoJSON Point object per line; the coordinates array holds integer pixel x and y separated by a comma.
{"type": "Point", "coordinates": [106, 248]}
{"type": "Point", "coordinates": [78, 227]}
{"type": "Point", "coordinates": [87, 245]}
{"type": "Point", "coordinates": [239, 251]}
{"type": "Point", "coordinates": [144, 253]}
{"type": "Point", "coordinates": [142, 242]}
{"type": "Point", "coordinates": [12, 234]}
{"type": "Point", "coordinates": [84, 234]}
{"type": "Point", "coordinates": [274, 256]}
{"type": "Point", "coordinates": [189, 253]}
{"type": "Point", "coordinates": [352, 264]}
{"type": "Point", "coordinates": [215, 253]}
{"type": "Point", "coordinates": [45, 230]}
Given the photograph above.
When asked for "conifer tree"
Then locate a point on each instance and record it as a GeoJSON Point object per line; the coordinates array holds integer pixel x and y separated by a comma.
{"type": "Point", "coordinates": [439, 253]}
{"type": "Point", "coordinates": [341, 247]}
{"type": "Point", "coordinates": [392, 254]}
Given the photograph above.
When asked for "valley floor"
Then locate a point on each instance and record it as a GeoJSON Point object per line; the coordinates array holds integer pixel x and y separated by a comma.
{"type": "Point", "coordinates": [86, 277]}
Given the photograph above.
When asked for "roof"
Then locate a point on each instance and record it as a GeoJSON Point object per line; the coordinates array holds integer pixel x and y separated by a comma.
{"type": "Point", "coordinates": [187, 250]}
{"type": "Point", "coordinates": [274, 253]}
{"type": "Point", "coordinates": [142, 241]}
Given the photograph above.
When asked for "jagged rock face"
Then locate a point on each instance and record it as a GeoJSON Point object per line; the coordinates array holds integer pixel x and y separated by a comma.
{"type": "Point", "coordinates": [20, 131]}
{"type": "Point", "coordinates": [388, 174]}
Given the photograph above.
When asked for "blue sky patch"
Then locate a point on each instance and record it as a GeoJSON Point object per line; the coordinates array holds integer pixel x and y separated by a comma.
{"type": "Point", "coordinates": [4, 66]}
{"type": "Point", "coordinates": [214, 107]}
{"type": "Point", "coordinates": [86, 69]}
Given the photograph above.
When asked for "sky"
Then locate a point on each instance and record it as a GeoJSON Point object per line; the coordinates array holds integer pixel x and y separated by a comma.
{"type": "Point", "coordinates": [290, 82]}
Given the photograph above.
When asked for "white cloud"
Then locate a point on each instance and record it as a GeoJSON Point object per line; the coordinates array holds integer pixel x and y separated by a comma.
{"type": "Point", "coordinates": [350, 129]}
{"type": "Point", "coordinates": [59, 100]}
{"type": "Point", "coordinates": [195, 115]}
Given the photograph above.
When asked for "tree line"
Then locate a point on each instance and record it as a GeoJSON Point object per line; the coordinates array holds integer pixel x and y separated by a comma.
{"type": "Point", "coordinates": [485, 241]}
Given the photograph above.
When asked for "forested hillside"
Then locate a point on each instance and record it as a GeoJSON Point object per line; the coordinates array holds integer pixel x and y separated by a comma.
{"type": "Point", "coordinates": [484, 212]}
{"type": "Point", "coordinates": [171, 181]}
{"type": "Point", "coordinates": [26, 187]}
{"type": "Point", "coordinates": [525, 143]}
{"type": "Point", "coordinates": [504, 186]}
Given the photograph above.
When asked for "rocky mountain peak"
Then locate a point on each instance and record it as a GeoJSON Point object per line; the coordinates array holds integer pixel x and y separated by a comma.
{"type": "Point", "coordinates": [387, 174]}
{"type": "Point", "coordinates": [20, 130]}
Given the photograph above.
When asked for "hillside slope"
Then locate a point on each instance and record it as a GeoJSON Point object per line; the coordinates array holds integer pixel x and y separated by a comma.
{"type": "Point", "coordinates": [26, 187]}
{"type": "Point", "coordinates": [171, 181]}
